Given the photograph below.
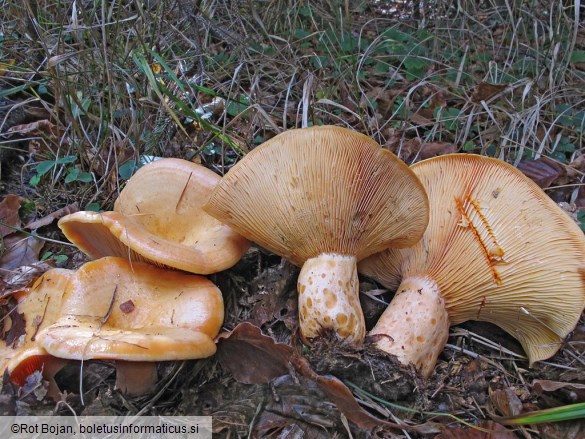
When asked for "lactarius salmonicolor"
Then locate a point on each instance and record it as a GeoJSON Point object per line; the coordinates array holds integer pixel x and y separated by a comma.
{"type": "Point", "coordinates": [39, 306]}
{"type": "Point", "coordinates": [324, 198]}
{"type": "Point", "coordinates": [158, 218]}
{"type": "Point", "coordinates": [135, 314]}
{"type": "Point", "coordinates": [497, 249]}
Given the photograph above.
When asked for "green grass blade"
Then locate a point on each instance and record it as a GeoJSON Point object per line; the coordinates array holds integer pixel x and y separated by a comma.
{"type": "Point", "coordinates": [556, 414]}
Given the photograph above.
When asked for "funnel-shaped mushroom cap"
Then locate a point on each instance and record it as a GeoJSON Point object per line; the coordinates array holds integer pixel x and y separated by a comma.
{"type": "Point", "coordinates": [159, 219]}
{"type": "Point", "coordinates": [323, 197]}
{"type": "Point", "coordinates": [322, 190]}
{"type": "Point", "coordinates": [122, 310]}
{"type": "Point", "coordinates": [498, 249]}
{"type": "Point", "coordinates": [39, 307]}
{"type": "Point", "coordinates": [40, 304]}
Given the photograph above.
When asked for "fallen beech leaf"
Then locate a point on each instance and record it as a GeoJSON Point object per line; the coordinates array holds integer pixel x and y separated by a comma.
{"type": "Point", "coordinates": [42, 128]}
{"type": "Point", "coordinates": [543, 172]}
{"type": "Point", "coordinates": [22, 276]}
{"type": "Point", "coordinates": [434, 149]}
{"type": "Point", "coordinates": [485, 91]}
{"type": "Point", "coordinates": [17, 327]}
{"type": "Point", "coordinates": [342, 397]}
{"type": "Point", "coordinates": [562, 430]}
{"type": "Point", "coordinates": [20, 249]}
{"type": "Point", "coordinates": [48, 219]}
{"type": "Point", "coordinates": [252, 357]}
{"type": "Point", "coordinates": [541, 386]}
{"type": "Point", "coordinates": [506, 402]}
{"type": "Point", "coordinates": [9, 214]}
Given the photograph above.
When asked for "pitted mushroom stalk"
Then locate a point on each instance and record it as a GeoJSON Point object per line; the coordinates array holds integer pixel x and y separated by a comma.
{"type": "Point", "coordinates": [421, 310]}
{"type": "Point", "coordinates": [328, 288]}
{"type": "Point", "coordinates": [324, 198]}
{"type": "Point", "coordinates": [158, 218]}
{"type": "Point", "coordinates": [135, 314]}
{"type": "Point", "coordinates": [497, 249]}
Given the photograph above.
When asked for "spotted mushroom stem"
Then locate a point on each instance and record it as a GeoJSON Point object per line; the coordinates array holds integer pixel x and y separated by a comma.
{"type": "Point", "coordinates": [328, 289]}
{"type": "Point", "coordinates": [415, 326]}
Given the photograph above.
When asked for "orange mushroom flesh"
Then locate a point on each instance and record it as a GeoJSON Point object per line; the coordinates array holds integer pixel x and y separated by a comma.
{"type": "Point", "coordinates": [158, 218]}
{"type": "Point", "coordinates": [40, 307]}
{"type": "Point", "coordinates": [115, 309]}
{"type": "Point", "coordinates": [497, 249]}
{"type": "Point", "coordinates": [324, 198]}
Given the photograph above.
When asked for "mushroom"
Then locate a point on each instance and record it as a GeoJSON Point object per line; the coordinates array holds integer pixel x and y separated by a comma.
{"type": "Point", "coordinates": [158, 219]}
{"type": "Point", "coordinates": [136, 314]}
{"type": "Point", "coordinates": [497, 249]}
{"type": "Point", "coordinates": [324, 198]}
{"type": "Point", "coordinates": [39, 306]}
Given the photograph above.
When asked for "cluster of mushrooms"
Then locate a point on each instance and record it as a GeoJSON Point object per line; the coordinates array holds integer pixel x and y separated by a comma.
{"type": "Point", "coordinates": [459, 237]}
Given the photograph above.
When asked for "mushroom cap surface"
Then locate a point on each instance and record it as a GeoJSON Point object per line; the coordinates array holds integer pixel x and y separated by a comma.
{"type": "Point", "coordinates": [322, 190]}
{"type": "Point", "coordinates": [123, 310]}
{"type": "Point", "coordinates": [158, 218]}
{"type": "Point", "coordinates": [500, 250]}
{"type": "Point", "coordinates": [40, 306]}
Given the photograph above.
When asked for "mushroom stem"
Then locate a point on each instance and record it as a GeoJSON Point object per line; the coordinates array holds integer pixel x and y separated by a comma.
{"type": "Point", "coordinates": [328, 289]}
{"type": "Point", "coordinates": [415, 326]}
{"type": "Point", "coordinates": [135, 378]}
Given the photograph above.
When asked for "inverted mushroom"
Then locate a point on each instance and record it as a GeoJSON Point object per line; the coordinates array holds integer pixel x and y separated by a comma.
{"type": "Point", "coordinates": [324, 198]}
{"type": "Point", "coordinates": [158, 219]}
{"type": "Point", "coordinates": [39, 306]}
{"type": "Point", "coordinates": [115, 309]}
{"type": "Point", "coordinates": [497, 249]}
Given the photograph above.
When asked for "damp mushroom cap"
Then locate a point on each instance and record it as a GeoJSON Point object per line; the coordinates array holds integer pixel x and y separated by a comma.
{"type": "Point", "coordinates": [158, 218]}
{"type": "Point", "coordinates": [497, 249]}
{"type": "Point", "coordinates": [115, 309]}
{"type": "Point", "coordinates": [324, 198]}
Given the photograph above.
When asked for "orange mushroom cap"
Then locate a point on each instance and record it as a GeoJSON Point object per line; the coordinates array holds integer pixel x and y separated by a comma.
{"type": "Point", "coordinates": [40, 306]}
{"type": "Point", "coordinates": [323, 197]}
{"type": "Point", "coordinates": [158, 218]}
{"type": "Point", "coordinates": [497, 249]}
{"type": "Point", "coordinates": [122, 310]}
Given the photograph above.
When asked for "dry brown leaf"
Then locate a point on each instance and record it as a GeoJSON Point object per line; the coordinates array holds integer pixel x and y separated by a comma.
{"type": "Point", "coordinates": [562, 430]}
{"type": "Point", "coordinates": [341, 396]}
{"type": "Point", "coordinates": [578, 390]}
{"type": "Point", "coordinates": [41, 128]}
{"type": "Point", "coordinates": [48, 219]}
{"type": "Point", "coordinates": [17, 328]}
{"type": "Point", "coordinates": [542, 171]}
{"type": "Point", "coordinates": [506, 402]}
{"type": "Point", "coordinates": [19, 250]}
{"type": "Point", "coordinates": [252, 357]}
{"type": "Point", "coordinates": [485, 91]}
{"type": "Point", "coordinates": [434, 149]}
{"type": "Point", "coordinates": [273, 295]}
{"type": "Point", "coordinates": [22, 276]}
{"type": "Point", "coordinates": [9, 214]}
